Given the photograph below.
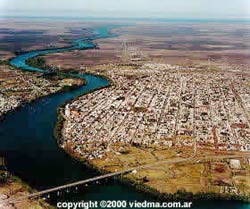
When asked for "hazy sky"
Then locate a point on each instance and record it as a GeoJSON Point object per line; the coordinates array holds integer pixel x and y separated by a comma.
{"type": "Point", "coordinates": [128, 8]}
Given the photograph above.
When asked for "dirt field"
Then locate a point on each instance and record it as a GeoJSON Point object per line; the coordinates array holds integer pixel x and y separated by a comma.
{"type": "Point", "coordinates": [173, 43]}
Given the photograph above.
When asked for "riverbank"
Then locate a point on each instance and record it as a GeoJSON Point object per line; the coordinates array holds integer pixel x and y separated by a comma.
{"type": "Point", "coordinates": [207, 180]}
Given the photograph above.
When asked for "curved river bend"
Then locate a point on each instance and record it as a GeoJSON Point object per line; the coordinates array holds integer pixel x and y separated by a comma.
{"type": "Point", "coordinates": [27, 141]}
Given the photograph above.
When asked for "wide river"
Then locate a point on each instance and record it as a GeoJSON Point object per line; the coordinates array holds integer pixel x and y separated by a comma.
{"type": "Point", "coordinates": [32, 153]}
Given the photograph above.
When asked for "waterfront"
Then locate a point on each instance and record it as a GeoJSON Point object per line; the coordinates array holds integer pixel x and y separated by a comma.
{"type": "Point", "coordinates": [32, 153]}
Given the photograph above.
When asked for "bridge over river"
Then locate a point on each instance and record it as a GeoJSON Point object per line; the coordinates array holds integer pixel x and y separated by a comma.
{"type": "Point", "coordinates": [126, 171]}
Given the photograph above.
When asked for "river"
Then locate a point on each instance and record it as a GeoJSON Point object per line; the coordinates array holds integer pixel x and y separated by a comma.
{"type": "Point", "coordinates": [32, 153]}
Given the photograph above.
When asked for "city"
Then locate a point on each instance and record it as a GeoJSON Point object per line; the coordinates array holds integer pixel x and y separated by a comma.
{"type": "Point", "coordinates": [164, 105]}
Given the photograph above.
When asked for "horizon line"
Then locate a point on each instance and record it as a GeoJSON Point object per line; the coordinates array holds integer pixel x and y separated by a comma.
{"type": "Point", "coordinates": [235, 19]}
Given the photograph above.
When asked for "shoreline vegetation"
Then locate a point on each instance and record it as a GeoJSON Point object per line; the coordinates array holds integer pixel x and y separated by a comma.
{"type": "Point", "coordinates": [17, 53]}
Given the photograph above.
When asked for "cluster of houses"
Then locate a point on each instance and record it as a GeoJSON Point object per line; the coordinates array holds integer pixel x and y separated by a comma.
{"type": "Point", "coordinates": [7, 104]}
{"type": "Point", "coordinates": [17, 88]}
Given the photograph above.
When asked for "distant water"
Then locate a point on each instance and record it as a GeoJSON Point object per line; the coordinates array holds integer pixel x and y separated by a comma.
{"type": "Point", "coordinates": [26, 139]}
{"type": "Point", "coordinates": [173, 20]}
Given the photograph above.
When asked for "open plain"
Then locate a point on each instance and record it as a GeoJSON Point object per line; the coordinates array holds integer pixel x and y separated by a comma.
{"type": "Point", "coordinates": [177, 42]}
